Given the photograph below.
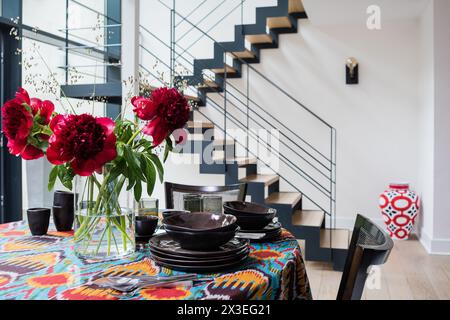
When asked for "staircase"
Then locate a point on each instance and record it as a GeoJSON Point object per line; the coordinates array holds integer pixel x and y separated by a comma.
{"type": "Point", "coordinates": [323, 242]}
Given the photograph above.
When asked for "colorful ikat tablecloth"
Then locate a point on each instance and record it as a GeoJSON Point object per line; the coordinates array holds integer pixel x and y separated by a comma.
{"type": "Point", "coordinates": [46, 268]}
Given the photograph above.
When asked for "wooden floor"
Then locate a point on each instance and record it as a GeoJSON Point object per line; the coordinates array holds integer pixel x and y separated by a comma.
{"type": "Point", "coordinates": [410, 274]}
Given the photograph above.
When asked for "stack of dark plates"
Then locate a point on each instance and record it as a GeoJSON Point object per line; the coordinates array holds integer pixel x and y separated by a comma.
{"type": "Point", "coordinates": [199, 242]}
{"type": "Point", "coordinates": [257, 222]}
{"type": "Point", "coordinates": [168, 253]}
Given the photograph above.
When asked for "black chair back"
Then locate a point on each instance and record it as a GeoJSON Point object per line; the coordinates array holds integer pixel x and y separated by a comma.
{"type": "Point", "coordinates": [174, 192]}
{"type": "Point", "coordinates": [369, 246]}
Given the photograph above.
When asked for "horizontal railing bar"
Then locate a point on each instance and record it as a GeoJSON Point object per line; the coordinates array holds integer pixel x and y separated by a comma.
{"type": "Point", "coordinates": [91, 75]}
{"type": "Point", "coordinates": [96, 27]}
{"type": "Point", "coordinates": [92, 47]}
{"type": "Point", "coordinates": [91, 65]}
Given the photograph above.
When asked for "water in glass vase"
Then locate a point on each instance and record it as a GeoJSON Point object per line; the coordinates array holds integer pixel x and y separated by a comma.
{"type": "Point", "coordinates": [104, 224]}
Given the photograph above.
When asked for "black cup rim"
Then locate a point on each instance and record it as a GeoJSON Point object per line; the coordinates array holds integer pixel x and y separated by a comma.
{"type": "Point", "coordinates": [61, 192]}
{"type": "Point", "coordinates": [39, 210]}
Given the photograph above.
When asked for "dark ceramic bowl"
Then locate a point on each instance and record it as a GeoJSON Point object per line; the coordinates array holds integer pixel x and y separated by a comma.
{"type": "Point", "coordinates": [201, 240]}
{"type": "Point", "coordinates": [247, 208]}
{"type": "Point", "coordinates": [254, 222]}
{"type": "Point", "coordinates": [146, 225]}
{"type": "Point", "coordinates": [201, 222]}
{"type": "Point", "coordinates": [38, 221]}
{"type": "Point", "coordinates": [169, 213]}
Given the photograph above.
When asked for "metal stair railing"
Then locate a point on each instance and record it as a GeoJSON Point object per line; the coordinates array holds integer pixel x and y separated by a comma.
{"type": "Point", "coordinates": [324, 163]}
{"type": "Point", "coordinates": [331, 159]}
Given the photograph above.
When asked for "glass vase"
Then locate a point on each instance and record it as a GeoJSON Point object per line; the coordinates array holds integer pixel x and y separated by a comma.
{"type": "Point", "coordinates": [104, 220]}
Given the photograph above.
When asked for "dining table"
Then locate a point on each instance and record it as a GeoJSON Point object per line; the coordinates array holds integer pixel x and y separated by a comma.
{"type": "Point", "coordinates": [47, 268]}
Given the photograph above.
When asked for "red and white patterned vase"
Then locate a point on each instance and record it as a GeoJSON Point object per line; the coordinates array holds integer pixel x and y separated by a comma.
{"type": "Point", "coordinates": [399, 206]}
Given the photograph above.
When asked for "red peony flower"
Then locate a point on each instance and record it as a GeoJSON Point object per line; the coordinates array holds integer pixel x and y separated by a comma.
{"type": "Point", "coordinates": [18, 119]}
{"type": "Point", "coordinates": [86, 142]}
{"type": "Point", "coordinates": [166, 110]}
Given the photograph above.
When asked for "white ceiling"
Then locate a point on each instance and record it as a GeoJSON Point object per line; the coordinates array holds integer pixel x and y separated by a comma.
{"type": "Point", "coordinates": [336, 12]}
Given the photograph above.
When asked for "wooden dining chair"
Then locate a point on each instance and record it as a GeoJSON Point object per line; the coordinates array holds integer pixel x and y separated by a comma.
{"type": "Point", "coordinates": [175, 193]}
{"type": "Point", "coordinates": [369, 246]}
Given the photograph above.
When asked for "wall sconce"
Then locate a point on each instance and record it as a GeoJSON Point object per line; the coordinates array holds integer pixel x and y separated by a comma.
{"type": "Point", "coordinates": [352, 71]}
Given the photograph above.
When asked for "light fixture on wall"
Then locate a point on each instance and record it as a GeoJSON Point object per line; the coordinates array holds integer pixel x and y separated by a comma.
{"type": "Point", "coordinates": [352, 71]}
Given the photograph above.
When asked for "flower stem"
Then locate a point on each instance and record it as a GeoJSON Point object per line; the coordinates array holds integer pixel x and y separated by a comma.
{"type": "Point", "coordinates": [134, 136]}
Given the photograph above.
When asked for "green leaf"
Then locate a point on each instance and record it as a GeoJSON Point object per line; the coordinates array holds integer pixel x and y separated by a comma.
{"type": "Point", "coordinates": [138, 191]}
{"type": "Point", "coordinates": [158, 165]}
{"type": "Point", "coordinates": [66, 176]}
{"type": "Point", "coordinates": [120, 149]}
{"type": "Point", "coordinates": [150, 174]}
{"type": "Point", "coordinates": [168, 149]}
{"type": "Point", "coordinates": [52, 178]}
{"type": "Point", "coordinates": [133, 163]}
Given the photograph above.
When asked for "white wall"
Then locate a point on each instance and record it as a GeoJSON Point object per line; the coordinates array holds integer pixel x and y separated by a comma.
{"type": "Point", "coordinates": [441, 234]}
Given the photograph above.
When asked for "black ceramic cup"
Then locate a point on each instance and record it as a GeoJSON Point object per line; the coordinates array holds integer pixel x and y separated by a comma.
{"type": "Point", "coordinates": [63, 218]}
{"type": "Point", "coordinates": [38, 221]}
{"type": "Point", "coordinates": [146, 225]}
{"type": "Point", "coordinates": [63, 199]}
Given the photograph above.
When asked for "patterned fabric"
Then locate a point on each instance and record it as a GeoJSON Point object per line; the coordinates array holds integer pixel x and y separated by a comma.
{"type": "Point", "coordinates": [46, 267]}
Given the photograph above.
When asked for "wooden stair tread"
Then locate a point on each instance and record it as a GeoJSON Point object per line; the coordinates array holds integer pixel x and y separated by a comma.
{"type": "Point", "coordinates": [267, 179]}
{"type": "Point", "coordinates": [278, 23]}
{"type": "Point", "coordinates": [247, 54]}
{"type": "Point", "coordinates": [192, 98]}
{"type": "Point", "coordinates": [259, 38]}
{"type": "Point", "coordinates": [308, 218]}
{"type": "Point", "coordinates": [291, 198]}
{"type": "Point", "coordinates": [339, 238]}
{"type": "Point", "coordinates": [200, 125]}
{"type": "Point", "coordinates": [209, 84]}
{"type": "Point", "coordinates": [228, 69]}
{"type": "Point", "coordinates": [296, 6]}
{"type": "Point", "coordinates": [243, 161]}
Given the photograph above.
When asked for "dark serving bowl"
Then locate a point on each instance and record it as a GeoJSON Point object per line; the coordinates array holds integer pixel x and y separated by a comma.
{"type": "Point", "coordinates": [254, 222]}
{"type": "Point", "coordinates": [169, 212]}
{"type": "Point", "coordinates": [247, 208]}
{"type": "Point", "coordinates": [250, 216]}
{"type": "Point", "coordinates": [206, 240]}
{"type": "Point", "coordinates": [200, 222]}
